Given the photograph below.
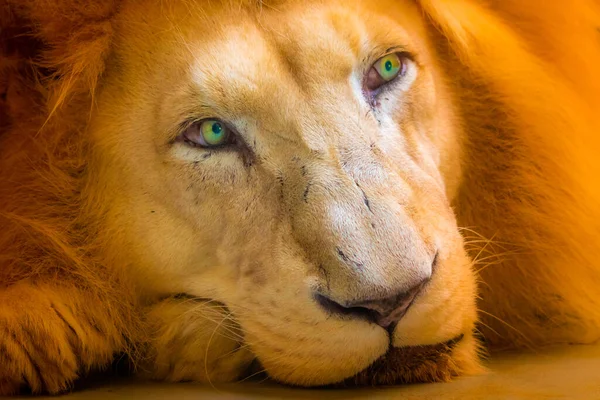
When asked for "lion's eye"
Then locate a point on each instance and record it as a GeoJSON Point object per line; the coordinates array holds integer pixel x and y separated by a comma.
{"type": "Point", "coordinates": [385, 70]}
{"type": "Point", "coordinates": [208, 133]}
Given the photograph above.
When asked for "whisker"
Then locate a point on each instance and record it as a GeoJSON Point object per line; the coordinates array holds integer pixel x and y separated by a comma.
{"type": "Point", "coordinates": [206, 357]}
{"type": "Point", "coordinates": [251, 376]}
{"type": "Point", "coordinates": [503, 322]}
{"type": "Point", "coordinates": [483, 249]}
{"type": "Point", "coordinates": [496, 259]}
{"type": "Point", "coordinates": [245, 346]}
{"type": "Point", "coordinates": [489, 327]}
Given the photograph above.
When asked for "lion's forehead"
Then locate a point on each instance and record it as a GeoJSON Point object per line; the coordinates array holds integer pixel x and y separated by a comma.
{"type": "Point", "coordinates": [273, 73]}
{"type": "Point", "coordinates": [276, 63]}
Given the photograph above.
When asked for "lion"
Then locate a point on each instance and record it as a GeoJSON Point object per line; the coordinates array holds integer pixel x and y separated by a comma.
{"type": "Point", "coordinates": [327, 192]}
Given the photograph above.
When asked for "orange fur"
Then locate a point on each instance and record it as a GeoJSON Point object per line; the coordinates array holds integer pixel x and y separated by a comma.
{"type": "Point", "coordinates": [532, 162]}
{"type": "Point", "coordinates": [55, 292]}
{"type": "Point", "coordinates": [523, 74]}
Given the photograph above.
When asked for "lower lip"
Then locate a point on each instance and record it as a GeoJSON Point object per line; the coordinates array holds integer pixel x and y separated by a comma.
{"type": "Point", "coordinates": [400, 366]}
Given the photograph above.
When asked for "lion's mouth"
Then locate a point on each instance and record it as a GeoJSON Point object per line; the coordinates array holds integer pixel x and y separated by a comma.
{"type": "Point", "coordinates": [404, 365]}
{"type": "Point", "coordinates": [400, 365]}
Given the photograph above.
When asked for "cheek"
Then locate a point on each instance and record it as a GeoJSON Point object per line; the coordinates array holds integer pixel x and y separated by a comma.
{"type": "Point", "coordinates": [236, 222]}
{"type": "Point", "coordinates": [408, 138]}
{"type": "Point", "coordinates": [429, 136]}
{"type": "Point", "coordinates": [208, 189]}
{"type": "Point", "coordinates": [439, 125]}
{"type": "Point", "coordinates": [189, 226]}
{"type": "Point", "coordinates": [446, 307]}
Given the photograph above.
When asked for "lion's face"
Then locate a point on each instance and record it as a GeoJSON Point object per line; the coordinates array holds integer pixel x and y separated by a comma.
{"type": "Point", "coordinates": [258, 157]}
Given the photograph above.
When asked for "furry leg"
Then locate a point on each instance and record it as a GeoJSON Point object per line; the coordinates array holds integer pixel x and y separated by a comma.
{"type": "Point", "coordinates": [49, 334]}
{"type": "Point", "coordinates": [195, 340]}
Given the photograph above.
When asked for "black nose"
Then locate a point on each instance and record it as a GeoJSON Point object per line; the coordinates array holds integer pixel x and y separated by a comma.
{"type": "Point", "coordinates": [384, 312]}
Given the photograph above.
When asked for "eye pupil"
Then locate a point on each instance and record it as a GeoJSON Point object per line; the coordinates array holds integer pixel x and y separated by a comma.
{"type": "Point", "coordinates": [217, 128]}
{"type": "Point", "coordinates": [389, 65]}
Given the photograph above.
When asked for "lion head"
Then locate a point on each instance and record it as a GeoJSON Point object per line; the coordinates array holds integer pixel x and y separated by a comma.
{"type": "Point", "coordinates": [296, 165]}
{"type": "Point", "coordinates": [278, 183]}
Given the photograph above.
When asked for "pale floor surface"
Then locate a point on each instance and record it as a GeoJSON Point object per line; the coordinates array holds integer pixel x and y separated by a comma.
{"type": "Point", "coordinates": [562, 373]}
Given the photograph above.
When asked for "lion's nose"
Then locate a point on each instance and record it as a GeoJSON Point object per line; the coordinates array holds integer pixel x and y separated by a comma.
{"type": "Point", "coordinates": [384, 312]}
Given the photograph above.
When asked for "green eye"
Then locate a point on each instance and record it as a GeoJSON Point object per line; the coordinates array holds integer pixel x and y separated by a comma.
{"type": "Point", "coordinates": [385, 70]}
{"type": "Point", "coordinates": [213, 132]}
{"type": "Point", "coordinates": [389, 67]}
{"type": "Point", "coordinates": [208, 133]}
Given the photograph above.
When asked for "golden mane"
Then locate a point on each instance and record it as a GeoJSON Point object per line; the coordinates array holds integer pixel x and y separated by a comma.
{"type": "Point", "coordinates": [52, 56]}
{"type": "Point", "coordinates": [524, 75]}
{"type": "Point", "coordinates": [526, 79]}
{"type": "Point", "coordinates": [49, 77]}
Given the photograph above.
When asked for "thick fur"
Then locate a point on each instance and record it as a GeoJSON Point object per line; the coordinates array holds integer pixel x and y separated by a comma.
{"type": "Point", "coordinates": [522, 80]}
{"type": "Point", "coordinates": [63, 312]}
{"type": "Point", "coordinates": [531, 172]}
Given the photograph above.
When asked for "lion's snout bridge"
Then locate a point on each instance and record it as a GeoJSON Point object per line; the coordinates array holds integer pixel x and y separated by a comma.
{"type": "Point", "coordinates": [366, 246]}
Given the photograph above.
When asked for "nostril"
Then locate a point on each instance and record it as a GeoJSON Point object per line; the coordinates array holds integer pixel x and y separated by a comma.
{"type": "Point", "coordinates": [334, 308]}
{"type": "Point", "coordinates": [384, 312]}
{"type": "Point", "coordinates": [391, 310]}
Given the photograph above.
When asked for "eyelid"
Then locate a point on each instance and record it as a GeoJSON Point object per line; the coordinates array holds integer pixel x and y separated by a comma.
{"type": "Point", "coordinates": [188, 122]}
{"type": "Point", "coordinates": [381, 52]}
{"type": "Point", "coordinates": [176, 133]}
{"type": "Point", "coordinates": [395, 49]}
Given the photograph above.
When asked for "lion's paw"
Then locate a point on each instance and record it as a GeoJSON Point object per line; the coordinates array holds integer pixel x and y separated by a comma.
{"type": "Point", "coordinates": [196, 341]}
{"type": "Point", "coordinates": [47, 336]}
{"type": "Point", "coordinates": [35, 355]}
